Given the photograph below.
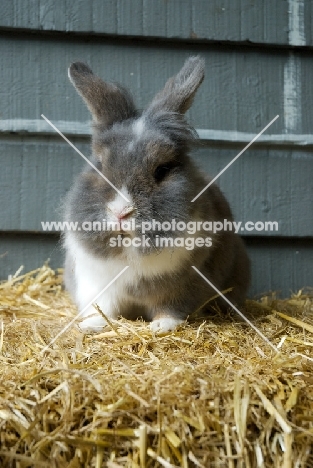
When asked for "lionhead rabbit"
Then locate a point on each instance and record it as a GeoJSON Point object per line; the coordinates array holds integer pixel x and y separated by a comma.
{"type": "Point", "coordinates": [149, 176]}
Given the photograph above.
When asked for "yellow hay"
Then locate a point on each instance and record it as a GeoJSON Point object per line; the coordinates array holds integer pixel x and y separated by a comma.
{"type": "Point", "coordinates": [213, 393]}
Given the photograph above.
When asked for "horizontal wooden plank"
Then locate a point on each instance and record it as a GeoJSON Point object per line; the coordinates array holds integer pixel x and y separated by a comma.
{"type": "Point", "coordinates": [277, 265]}
{"type": "Point", "coordinates": [243, 91]}
{"type": "Point", "coordinates": [34, 179]}
{"type": "Point", "coordinates": [28, 250]}
{"type": "Point", "coordinates": [281, 265]}
{"type": "Point", "coordinates": [83, 130]}
{"type": "Point", "coordinates": [41, 127]}
{"type": "Point", "coordinates": [281, 22]}
{"type": "Point", "coordinates": [264, 184]}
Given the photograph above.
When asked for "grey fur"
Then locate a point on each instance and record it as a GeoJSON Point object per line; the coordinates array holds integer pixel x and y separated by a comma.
{"type": "Point", "coordinates": [179, 90]}
{"type": "Point", "coordinates": [130, 162]}
{"type": "Point", "coordinates": [107, 102]}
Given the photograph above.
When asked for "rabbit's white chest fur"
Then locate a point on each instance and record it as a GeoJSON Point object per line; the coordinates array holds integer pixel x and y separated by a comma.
{"type": "Point", "coordinates": [92, 275]}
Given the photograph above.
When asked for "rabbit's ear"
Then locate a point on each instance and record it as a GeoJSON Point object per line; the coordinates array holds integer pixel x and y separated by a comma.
{"type": "Point", "coordinates": [179, 90]}
{"type": "Point", "coordinates": [107, 102]}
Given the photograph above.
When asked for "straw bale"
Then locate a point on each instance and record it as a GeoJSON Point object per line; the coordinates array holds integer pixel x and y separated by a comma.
{"type": "Point", "coordinates": [211, 394]}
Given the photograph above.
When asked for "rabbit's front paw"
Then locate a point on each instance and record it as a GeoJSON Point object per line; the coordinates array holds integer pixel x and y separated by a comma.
{"type": "Point", "coordinates": [92, 324]}
{"type": "Point", "coordinates": [165, 324]}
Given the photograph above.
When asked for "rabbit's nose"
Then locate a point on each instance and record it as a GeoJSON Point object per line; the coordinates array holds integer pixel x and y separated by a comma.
{"type": "Point", "coordinates": [126, 212]}
{"type": "Point", "coordinates": [122, 213]}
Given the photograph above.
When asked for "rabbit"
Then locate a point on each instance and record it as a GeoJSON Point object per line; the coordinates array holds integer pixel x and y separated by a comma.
{"type": "Point", "coordinates": [145, 156]}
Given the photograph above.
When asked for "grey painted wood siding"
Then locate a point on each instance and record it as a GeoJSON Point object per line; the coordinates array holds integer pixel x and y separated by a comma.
{"type": "Point", "coordinates": [280, 22]}
{"type": "Point", "coordinates": [258, 64]}
{"type": "Point", "coordinates": [244, 87]}
{"type": "Point", "coordinates": [264, 184]}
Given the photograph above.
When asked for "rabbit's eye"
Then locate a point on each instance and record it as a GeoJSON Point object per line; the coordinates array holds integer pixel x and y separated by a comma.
{"type": "Point", "coordinates": [98, 165]}
{"type": "Point", "coordinates": [162, 171]}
